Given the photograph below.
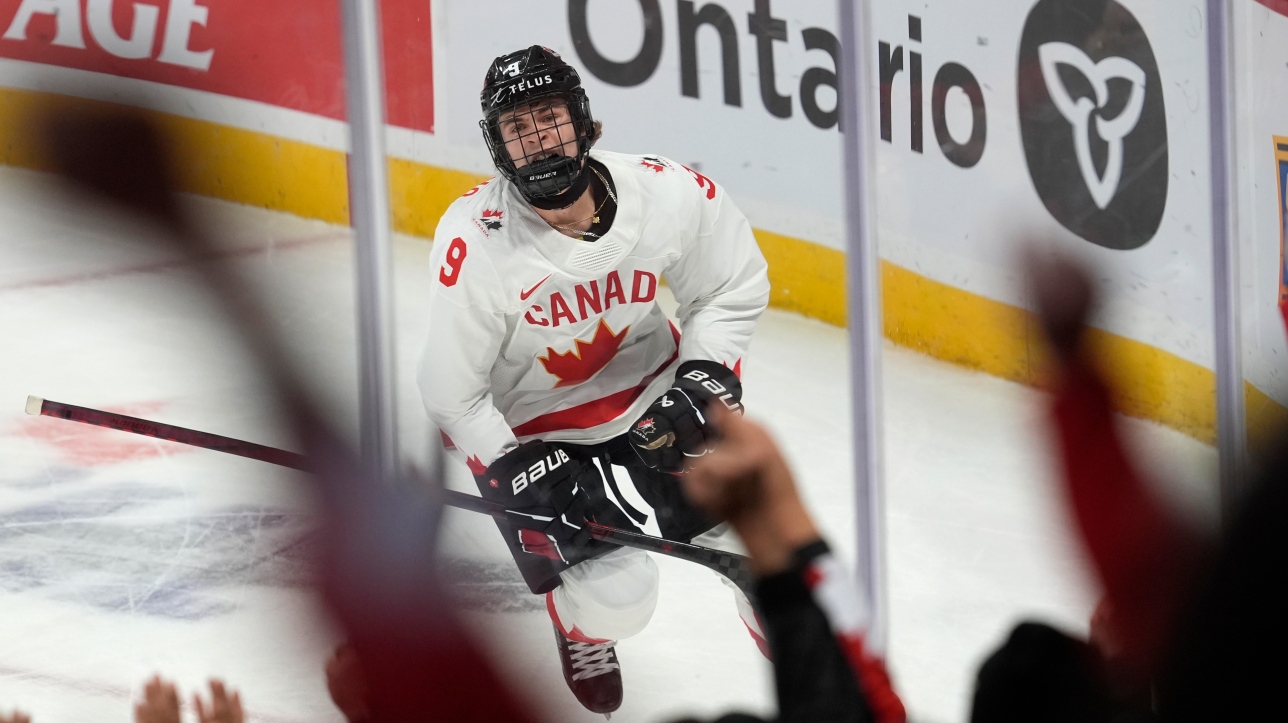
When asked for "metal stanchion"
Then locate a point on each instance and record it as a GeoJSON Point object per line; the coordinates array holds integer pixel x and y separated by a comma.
{"type": "Point", "coordinates": [369, 208]}
{"type": "Point", "coordinates": [1231, 420]}
{"type": "Point", "coordinates": [865, 321]}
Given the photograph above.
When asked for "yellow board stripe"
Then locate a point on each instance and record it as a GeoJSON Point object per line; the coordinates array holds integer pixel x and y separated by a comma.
{"type": "Point", "coordinates": [973, 331]}
{"type": "Point", "coordinates": [925, 315]}
{"type": "Point", "coordinates": [420, 194]}
{"type": "Point", "coordinates": [213, 160]}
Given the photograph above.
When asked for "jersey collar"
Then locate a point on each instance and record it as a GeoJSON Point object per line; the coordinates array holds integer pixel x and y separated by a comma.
{"type": "Point", "coordinates": [583, 259]}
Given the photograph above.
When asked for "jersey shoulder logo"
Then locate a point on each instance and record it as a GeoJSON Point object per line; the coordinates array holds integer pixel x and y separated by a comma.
{"type": "Point", "coordinates": [655, 164]}
{"type": "Point", "coordinates": [586, 358]}
{"type": "Point", "coordinates": [489, 221]}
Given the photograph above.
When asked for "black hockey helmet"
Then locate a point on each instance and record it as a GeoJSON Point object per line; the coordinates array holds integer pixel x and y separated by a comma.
{"type": "Point", "coordinates": [519, 81]}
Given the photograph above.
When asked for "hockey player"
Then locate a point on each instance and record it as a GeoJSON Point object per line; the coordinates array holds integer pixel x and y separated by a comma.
{"type": "Point", "coordinates": [551, 367]}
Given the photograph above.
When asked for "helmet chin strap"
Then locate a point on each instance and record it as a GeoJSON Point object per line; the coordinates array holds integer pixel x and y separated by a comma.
{"type": "Point", "coordinates": [565, 198]}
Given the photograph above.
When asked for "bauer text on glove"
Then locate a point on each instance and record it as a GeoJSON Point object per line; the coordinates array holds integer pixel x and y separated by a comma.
{"type": "Point", "coordinates": [542, 482]}
{"type": "Point", "coordinates": [675, 427]}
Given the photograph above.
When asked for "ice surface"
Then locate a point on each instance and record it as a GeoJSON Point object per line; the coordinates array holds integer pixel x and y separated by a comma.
{"type": "Point", "coordinates": [122, 556]}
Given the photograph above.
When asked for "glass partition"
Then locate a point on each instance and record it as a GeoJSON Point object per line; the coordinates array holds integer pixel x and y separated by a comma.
{"type": "Point", "coordinates": [1072, 127]}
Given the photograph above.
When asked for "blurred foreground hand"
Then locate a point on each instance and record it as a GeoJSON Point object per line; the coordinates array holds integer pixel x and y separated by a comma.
{"type": "Point", "coordinates": [224, 707]}
{"type": "Point", "coordinates": [378, 558]}
{"type": "Point", "coordinates": [1144, 555]}
{"type": "Point", "coordinates": [747, 482]}
{"type": "Point", "coordinates": [347, 684]}
{"type": "Point", "coordinates": [160, 702]}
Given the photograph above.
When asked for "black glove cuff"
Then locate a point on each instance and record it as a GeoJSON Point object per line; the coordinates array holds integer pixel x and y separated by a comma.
{"type": "Point", "coordinates": [517, 458]}
{"type": "Point", "coordinates": [709, 380]}
{"type": "Point", "coordinates": [525, 466]}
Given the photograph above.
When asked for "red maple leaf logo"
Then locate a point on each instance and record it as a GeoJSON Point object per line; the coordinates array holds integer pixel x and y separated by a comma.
{"type": "Point", "coordinates": [655, 167]}
{"type": "Point", "coordinates": [586, 358]}
{"type": "Point", "coordinates": [489, 213]}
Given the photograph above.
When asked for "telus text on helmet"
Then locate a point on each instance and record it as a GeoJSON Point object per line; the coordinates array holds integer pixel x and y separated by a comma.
{"type": "Point", "coordinates": [761, 24]}
{"type": "Point", "coordinates": [525, 85]}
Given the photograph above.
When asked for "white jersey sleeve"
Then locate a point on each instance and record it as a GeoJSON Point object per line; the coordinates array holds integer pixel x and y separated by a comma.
{"type": "Point", "coordinates": [720, 280]}
{"type": "Point", "coordinates": [467, 326]}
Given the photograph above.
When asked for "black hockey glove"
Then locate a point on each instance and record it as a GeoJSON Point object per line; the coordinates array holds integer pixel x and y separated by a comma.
{"type": "Point", "coordinates": [540, 481]}
{"type": "Point", "coordinates": [675, 427]}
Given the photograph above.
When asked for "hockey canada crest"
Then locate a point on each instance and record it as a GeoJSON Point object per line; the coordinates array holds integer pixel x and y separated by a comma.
{"type": "Point", "coordinates": [645, 427]}
{"type": "Point", "coordinates": [489, 221]}
{"type": "Point", "coordinates": [655, 164]}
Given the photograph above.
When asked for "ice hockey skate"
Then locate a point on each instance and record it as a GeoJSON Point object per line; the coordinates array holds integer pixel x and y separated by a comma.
{"type": "Point", "coordinates": [592, 673]}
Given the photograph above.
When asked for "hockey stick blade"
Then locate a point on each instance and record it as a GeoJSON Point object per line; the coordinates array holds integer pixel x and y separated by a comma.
{"type": "Point", "coordinates": [733, 566]}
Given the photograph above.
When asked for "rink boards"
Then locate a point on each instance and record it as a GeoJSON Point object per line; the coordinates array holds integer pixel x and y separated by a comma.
{"type": "Point", "coordinates": [957, 191]}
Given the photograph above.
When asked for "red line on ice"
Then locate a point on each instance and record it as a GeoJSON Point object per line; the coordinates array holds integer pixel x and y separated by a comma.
{"type": "Point", "coordinates": [87, 446]}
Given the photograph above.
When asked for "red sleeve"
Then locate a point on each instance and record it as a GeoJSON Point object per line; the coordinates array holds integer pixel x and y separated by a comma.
{"type": "Point", "coordinates": [1140, 551]}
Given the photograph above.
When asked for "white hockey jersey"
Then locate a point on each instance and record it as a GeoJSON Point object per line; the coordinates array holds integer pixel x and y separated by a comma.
{"type": "Point", "coordinates": [535, 335]}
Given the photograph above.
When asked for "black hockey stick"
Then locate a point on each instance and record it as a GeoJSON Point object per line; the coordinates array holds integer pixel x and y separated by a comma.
{"type": "Point", "coordinates": [733, 566]}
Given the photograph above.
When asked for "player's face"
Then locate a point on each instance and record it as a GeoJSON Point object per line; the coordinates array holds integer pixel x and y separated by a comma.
{"type": "Point", "coordinates": [537, 131]}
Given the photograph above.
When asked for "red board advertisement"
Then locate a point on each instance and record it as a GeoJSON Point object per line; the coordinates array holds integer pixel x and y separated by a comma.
{"type": "Point", "coordinates": [1279, 6]}
{"type": "Point", "coordinates": [285, 53]}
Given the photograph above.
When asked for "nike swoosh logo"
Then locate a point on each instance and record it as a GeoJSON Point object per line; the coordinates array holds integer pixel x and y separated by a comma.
{"type": "Point", "coordinates": [523, 295]}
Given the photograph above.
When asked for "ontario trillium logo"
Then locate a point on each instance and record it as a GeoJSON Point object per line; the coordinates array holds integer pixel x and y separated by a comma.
{"type": "Point", "coordinates": [1093, 121]}
{"type": "Point", "coordinates": [1084, 112]}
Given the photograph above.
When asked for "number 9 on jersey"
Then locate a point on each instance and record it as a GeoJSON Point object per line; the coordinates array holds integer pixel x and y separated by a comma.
{"type": "Point", "coordinates": [451, 271]}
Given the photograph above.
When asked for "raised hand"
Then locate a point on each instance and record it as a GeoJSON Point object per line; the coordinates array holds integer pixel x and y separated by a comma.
{"type": "Point", "coordinates": [746, 481]}
{"type": "Point", "coordinates": [223, 708]}
{"type": "Point", "coordinates": [1063, 294]}
{"type": "Point", "coordinates": [160, 703]}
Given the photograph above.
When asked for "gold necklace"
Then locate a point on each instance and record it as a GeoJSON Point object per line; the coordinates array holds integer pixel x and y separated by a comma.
{"type": "Point", "coordinates": [594, 217]}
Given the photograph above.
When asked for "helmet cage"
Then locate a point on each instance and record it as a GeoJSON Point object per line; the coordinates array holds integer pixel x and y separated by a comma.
{"type": "Point", "coordinates": [544, 176]}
